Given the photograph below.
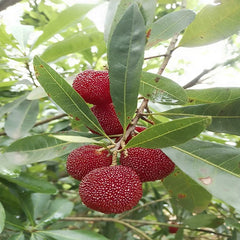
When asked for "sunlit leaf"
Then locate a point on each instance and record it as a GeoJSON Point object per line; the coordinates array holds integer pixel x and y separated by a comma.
{"type": "Point", "coordinates": [162, 90]}
{"type": "Point", "coordinates": [169, 25]}
{"type": "Point", "coordinates": [2, 217]}
{"type": "Point", "coordinates": [169, 133]}
{"type": "Point", "coordinates": [214, 166]}
{"type": "Point", "coordinates": [125, 58]}
{"type": "Point", "coordinates": [213, 23]}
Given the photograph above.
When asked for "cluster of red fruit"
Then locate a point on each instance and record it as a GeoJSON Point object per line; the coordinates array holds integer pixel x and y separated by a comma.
{"type": "Point", "coordinates": [104, 187]}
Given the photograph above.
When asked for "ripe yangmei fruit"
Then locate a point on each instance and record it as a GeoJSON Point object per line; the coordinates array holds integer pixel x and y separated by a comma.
{"type": "Point", "coordinates": [86, 158]}
{"type": "Point", "coordinates": [93, 86]}
{"type": "Point", "coordinates": [172, 229]}
{"type": "Point", "coordinates": [149, 164]}
{"type": "Point", "coordinates": [107, 118]}
{"type": "Point", "coordinates": [112, 189]}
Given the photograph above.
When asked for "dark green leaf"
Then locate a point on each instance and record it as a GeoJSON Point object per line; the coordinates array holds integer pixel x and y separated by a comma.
{"type": "Point", "coordinates": [73, 235]}
{"type": "Point", "coordinates": [14, 223]}
{"type": "Point", "coordinates": [187, 192]}
{"type": "Point", "coordinates": [78, 42]}
{"type": "Point", "coordinates": [34, 149]}
{"type": "Point", "coordinates": [37, 236]}
{"type": "Point", "coordinates": [225, 115]}
{"type": "Point", "coordinates": [64, 95]}
{"type": "Point", "coordinates": [17, 236]}
{"type": "Point", "coordinates": [169, 25]}
{"type": "Point", "coordinates": [162, 90]}
{"type": "Point", "coordinates": [203, 220]}
{"type": "Point", "coordinates": [31, 183]}
{"type": "Point", "coordinates": [213, 23]}
{"type": "Point", "coordinates": [212, 95]}
{"type": "Point", "coordinates": [2, 217]}
{"type": "Point", "coordinates": [125, 58]}
{"type": "Point", "coordinates": [214, 166]}
{"type": "Point", "coordinates": [71, 15]}
{"type": "Point", "coordinates": [21, 119]}
{"type": "Point", "coordinates": [170, 133]}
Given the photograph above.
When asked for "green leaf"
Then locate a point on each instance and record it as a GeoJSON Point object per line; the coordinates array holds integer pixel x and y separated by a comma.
{"type": "Point", "coordinates": [212, 95]}
{"type": "Point", "coordinates": [10, 106]}
{"type": "Point", "coordinates": [35, 149]}
{"type": "Point", "coordinates": [22, 34]}
{"type": "Point", "coordinates": [213, 23]}
{"type": "Point", "coordinates": [187, 192]}
{"type": "Point", "coordinates": [73, 235]}
{"type": "Point", "coordinates": [76, 139]}
{"type": "Point", "coordinates": [2, 217]}
{"type": "Point", "coordinates": [57, 209]}
{"type": "Point", "coordinates": [169, 133]}
{"type": "Point", "coordinates": [21, 119]}
{"type": "Point", "coordinates": [32, 183]}
{"type": "Point", "coordinates": [78, 42]}
{"type": "Point", "coordinates": [70, 16]}
{"type": "Point", "coordinates": [169, 25]}
{"type": "Point", "coordinates": [225, 115]}
{"type": "Point", "coordinates": [37, 236]}
{"type": "Point", "coordinates": [203, 220]}
{"type": "Point", "coordinates": [17, 236]}
{"type": "Point", "coordinates": [125, 58]}
{"type": "Point", "coordinates": [64, 95]}
{"type": "Point", "coordinates": [162, 90]}
{"type": "Point", "coordinates": [214, 166]}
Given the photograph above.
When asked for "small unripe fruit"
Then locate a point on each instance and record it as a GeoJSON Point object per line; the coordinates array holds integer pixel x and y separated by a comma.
{"type": "Point", "coordinates": [149, 164]}
{"type": "Point", "coordinates": [93, 86]}
{"type": "Point", "coordinates": [84, 159]}
{"type": "Point", "coordinates": [113, 189]}
{"type": "Point", "coordinates": [107, 118]}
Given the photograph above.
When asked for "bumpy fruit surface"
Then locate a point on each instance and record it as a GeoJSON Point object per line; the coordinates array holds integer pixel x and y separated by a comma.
{"type": "Point", "coordinates": [149, 164]}
{"type": "Point", "coordinates": [93, 86]}
{"type": "Point", "coordinates": [84, 159]}
{"type": "Point", "coordinates": [113, 189]}
{"type": "Point", "coordinates": [107, 118]}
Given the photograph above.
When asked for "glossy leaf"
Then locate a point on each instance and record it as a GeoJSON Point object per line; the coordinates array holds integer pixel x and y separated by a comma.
{"type": "Point", "coordinates": [169, 25]}
{"type": "Point", "coordinates": [21, 119]}
{"type": "Point", "coordinates": [214, 166]}
{"type": "Point", "coordinates": [57, 209]}
{"type": "Point", "coordinates": [73, 235]}
{"type": "Point", "coordinates": [125, 58]}
{"type": "Point", "coordinates": [2, 217]}
{"type": "Point", "coordinates": [162, 90]}
{"type": "Point", "coordinates": [69, 16]}
{"type": "Point", "coordinates": [78, 42]}
{"type": "Point", "coordinates": [187, 192]}
{"type": "Point", "coordinates": [64, 95]}
{"type": "Point", "coordinates": [225, 115]}
{"type": "Point", "coordinates": [212, 95]}
{"type": "Point", "coordinates": [203, 220]}
{"type": "Point", "coordinates": [35, 149]}
{"type": "Point", "coordinates": [32, 183]}
{"type": "Point", "coordinates": [37, 236]}
{"type": "Point", "coordinates": [213, 23]}
{"type": "Point", "coordinates": [169, 133]}
{"type": "Point", "coordinates": [76, 139]}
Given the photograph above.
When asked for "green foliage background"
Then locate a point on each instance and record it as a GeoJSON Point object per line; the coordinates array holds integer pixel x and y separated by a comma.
{"type": "Point", "coordinates": [197, 128]}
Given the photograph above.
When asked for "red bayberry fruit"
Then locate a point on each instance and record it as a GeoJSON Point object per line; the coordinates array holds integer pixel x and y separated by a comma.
{"type": "Point", "coordinates": [107, 118]}
{"type": "Point", "coordinates": [93, 86]}
{"type": "Point", "coordinates": [84, 159]}
{"type": "Point", "coordinates": [113, 189]}
{"type": "Point", "coordinates": [172, 229]}
{"type": "Point", "coordinates": [149, 164]}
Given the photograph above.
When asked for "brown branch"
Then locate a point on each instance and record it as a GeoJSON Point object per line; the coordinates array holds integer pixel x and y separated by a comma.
{"type": "Point", "coordinates": [7, 3]}
{"type": "Point", "coordinates": [168, 54]}
{"type": "Point", "coordinates": [156, 56]}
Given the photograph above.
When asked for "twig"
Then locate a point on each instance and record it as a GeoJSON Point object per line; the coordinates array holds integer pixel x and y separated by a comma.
{"type": "Point", "coordinates": [168, 54]}
{"type": "Point", "coordinates": [156, 56]}
{"type": "Point", "coordinates": [30, 73]}
{"type": "Point", "coordinates": [95, 219]}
